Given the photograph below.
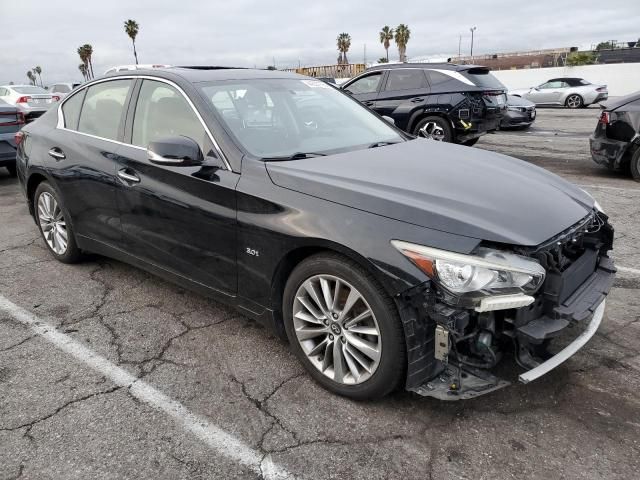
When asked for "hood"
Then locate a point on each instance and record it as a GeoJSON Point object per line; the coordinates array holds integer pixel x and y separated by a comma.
{"type": "Point", "coordinates": [514, 101]}
{"type": "Point", "coordinates": [451, 188]}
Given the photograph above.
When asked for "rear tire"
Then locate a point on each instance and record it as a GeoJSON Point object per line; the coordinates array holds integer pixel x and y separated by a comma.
{"type": "Point", "coordinates": [12, 170]}
{"type": "Point", "coordinates": [53, 221]}
{"type": "Point", "coordinates": [634, 165]}
{"type": "Point", "coordinates": [434, 128]}
{"type": "Point", "coordinates": [574, 101]}
{"type": "Point", "coordinates": [334, 338]}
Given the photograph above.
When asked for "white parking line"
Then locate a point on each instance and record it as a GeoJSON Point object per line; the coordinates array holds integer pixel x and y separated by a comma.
{"type": "Point", "coordinates": [216, 438]}
{"type": "Point", "coordinates": [607, 187]}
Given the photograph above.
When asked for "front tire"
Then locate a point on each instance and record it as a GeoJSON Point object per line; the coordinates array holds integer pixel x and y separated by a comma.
{"type": "Point", "coordinates": [634, 165]}
{"type": "Point", "coordinates": [574, 101]}
{"type": "Point", "coordinates": [434, 128]}
{"type": "Point", "coordinates": [344, 328]}
{"type": "Point", "coordinates": [53, 221]}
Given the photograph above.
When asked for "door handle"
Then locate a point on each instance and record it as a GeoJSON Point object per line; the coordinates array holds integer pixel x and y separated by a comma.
{"type": "Point", "coordinates": [368, 104]}
{"type": "Point", "coordinates": [128, 177]}
{"type": "Point", "coordinates": [416, 100]}
{"type": "Point", "coordinates": [56, 153]}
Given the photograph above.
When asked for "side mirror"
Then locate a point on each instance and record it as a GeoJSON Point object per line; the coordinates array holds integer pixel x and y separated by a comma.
{"type": "Point", "coordinates": [389, 119]}
{"type": "Point", "coordinates": [175, 152]}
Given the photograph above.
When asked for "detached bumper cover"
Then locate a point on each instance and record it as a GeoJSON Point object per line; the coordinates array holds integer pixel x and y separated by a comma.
{"type": "Point", "coordinates": [569, 350]}
{"type": "Point", "coordinates": [605, 151]}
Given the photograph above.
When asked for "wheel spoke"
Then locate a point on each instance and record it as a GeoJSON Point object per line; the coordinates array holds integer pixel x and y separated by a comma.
{"type": "Point", "coordinates": [305, 333]}
{"type": "Point", "coordinates": [310, 308]}
{"type": "Point", "coordinates": [351, 364]}
{"type": "Point", "coordinates": [311, 290]}
{"type": "Point", "coordinates": [365, 330]}
{"type": "Point", "coordinates": [359, 358]}
{"type": "Point", "coordinates": [327, 360]}
{"type": "Point", "coordinates": [358, 319]}
{"type": "Point", "coordinates": [353, 297]}
{"type": "Point", "coordinates": [336, 295]}
{"type": "Point", "coordinates": [326, 293]}
{"type": "Point", "coordinates": [363, 346]}
{"type": "Point", "coordinates": [338, 362]}
{"type": "Point", "coordinates": [304, 316]}
{"type": "Point", "coordinates": [320, 347]}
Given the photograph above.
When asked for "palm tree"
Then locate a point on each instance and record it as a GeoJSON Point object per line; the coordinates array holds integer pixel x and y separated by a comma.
{"type": "Point", "coordinates": [344, 43]}
{"type": "Point", "coordinates": [402, 38]}
{"type": "Point", "coordinates": [85, 51]}
{"type": "Point", "coordinates": [38, 70]}
{"type": "Point", "coordinates": [31, 77]}
{"type": "Point", "coordinates": [83, 69]}
{"type": "Point", "coordinates": [386, 35]}
{"type": "Point", "coordinates": [132, 28]}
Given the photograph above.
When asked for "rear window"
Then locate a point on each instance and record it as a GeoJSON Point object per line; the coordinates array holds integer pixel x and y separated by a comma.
{"type": "Point", "coordinates": [481, 77]}
{"type": "Point", "coordinates": [406, 79]}
{"type": "Point", "coordinates": [28, 90]}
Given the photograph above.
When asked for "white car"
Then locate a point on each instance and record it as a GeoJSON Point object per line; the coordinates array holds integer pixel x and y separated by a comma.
{"type": "Point", "coordinates": [32, 101]}
{"type": "Point", "coordinates": [62, 89]}
{"type": "Point", "coordinates": [569, 92]}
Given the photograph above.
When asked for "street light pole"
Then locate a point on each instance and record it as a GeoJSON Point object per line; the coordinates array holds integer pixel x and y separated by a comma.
{"type": "Point", "coordinates": [459, 45]}
{"type": "Point", "coordinates": [472, 29]}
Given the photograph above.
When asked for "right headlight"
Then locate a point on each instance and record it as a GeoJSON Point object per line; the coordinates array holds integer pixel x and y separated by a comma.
{"type": "Point", "coordinates": [487, 272]}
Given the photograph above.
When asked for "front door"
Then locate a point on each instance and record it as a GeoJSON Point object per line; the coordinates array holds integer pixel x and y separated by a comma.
{"type": "Point", "coordinates": [404, 90]}
{"type": "Point", "coordinates": [182, 219]}
{"type": "Point", "coordinates": [365, 88]}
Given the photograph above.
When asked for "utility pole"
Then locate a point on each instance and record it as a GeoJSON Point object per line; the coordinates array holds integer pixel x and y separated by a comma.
{"type": "Point", "coordinates": [472, 29]}
{"type": "Point", "coordinates": [364, 59]}
{"type": "Point", "coordinates": [459, 46]}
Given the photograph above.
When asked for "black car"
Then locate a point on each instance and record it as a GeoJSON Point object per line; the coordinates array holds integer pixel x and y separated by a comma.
{"type": "Point", "coordinates": [446, 102]}
{"type": "Point", "coordinates": [11, 120]}
{"type": "Point", "coordinates": [616, 140]}
{"type": "Point", "coordinates": [384, 260]}
{"type": "Point", "coordinates": [520, 114]}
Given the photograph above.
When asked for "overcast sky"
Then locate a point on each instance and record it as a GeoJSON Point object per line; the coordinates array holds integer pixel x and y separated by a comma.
{"type": "Point", "coordinates": [252, 32]}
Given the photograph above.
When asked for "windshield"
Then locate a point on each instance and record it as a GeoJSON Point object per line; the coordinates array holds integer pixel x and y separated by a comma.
{"type": "Point", "coordinates": [29, 89]}
{"type": "Point", "coordinates": [273, 118]}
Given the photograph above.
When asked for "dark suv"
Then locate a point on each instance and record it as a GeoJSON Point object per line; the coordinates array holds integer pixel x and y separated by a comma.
{"type": "Point", "coordinates": [446, 102]}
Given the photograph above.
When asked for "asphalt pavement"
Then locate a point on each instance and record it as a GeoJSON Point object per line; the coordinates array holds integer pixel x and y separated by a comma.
{"type": "Point", "coordinates": [108, 372]}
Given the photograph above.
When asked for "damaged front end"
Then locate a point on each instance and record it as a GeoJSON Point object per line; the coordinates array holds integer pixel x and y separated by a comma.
{"type": "Point", "coordinates": [503, 302]}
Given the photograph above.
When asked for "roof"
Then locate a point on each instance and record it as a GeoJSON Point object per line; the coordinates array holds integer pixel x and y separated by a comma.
{"type": "Point", "coordinates": [440, 66]}
{"type": "Point", "coordinates": [208, 73]}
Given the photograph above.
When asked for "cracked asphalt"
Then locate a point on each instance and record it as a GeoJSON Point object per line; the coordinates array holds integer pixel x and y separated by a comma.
{"type": "Point", "coordinates": [60, 419]}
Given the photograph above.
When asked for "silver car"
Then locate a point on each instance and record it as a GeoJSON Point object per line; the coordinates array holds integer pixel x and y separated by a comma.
{"type": "Point", "coordinates": [30, 100]}
{"type": "Point", "coordinates": [569, 92]}
{"type": "Point", "coordinates": [62, 89]}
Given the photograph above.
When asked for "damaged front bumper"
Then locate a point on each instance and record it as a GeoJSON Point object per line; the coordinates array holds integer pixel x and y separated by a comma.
{"type": "Point", "coordinates": [565, 314]}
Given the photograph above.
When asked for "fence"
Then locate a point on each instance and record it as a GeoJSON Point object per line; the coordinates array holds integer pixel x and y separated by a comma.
{"type": "Point", "coordinates": [333, 71]}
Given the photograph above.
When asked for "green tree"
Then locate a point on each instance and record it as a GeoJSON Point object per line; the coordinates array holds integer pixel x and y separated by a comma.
{"type": "Point", "coordinates": [85, 52]}
{"type": "Point", "coordinates": [402, 36]}
{"type": "Point", "coordinates": [83, 69]}
{"type": "Point", "coordinates": [383, 60]}
{"type": "Point", "coordinates": [576, 59]}
{"type": "Point", "coordinates": [386, 35]}
{"type": "Point", "coordinates": [344, 43]}
{"type": "Point", "coordinates": [132, 28]}
{"type": "Point", "coordinates": [31, 77]}
{"type": "Point", "coordinates": [606, 46]}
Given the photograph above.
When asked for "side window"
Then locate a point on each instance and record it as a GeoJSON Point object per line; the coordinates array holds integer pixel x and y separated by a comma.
{"type": "Point", "coordinates": [71, 111]}
{"type": "Point", "coordinates": [103, 107]}
{"type": "Point", "coordinates": [437, 79]}
{"type": "Point", "coordinates": [3, 92]}
{"type": "Point", "coordinates": [406, 79]}
{"type": "Point", "coordinates": [368, 84]}
{"type": "Point", "coordinates": [161, 112]}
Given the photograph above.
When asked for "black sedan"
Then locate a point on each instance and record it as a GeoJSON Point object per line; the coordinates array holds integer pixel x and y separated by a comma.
{"type": "Point", "coordinates": [520, 114]}
{"type": "Point", "coordinates": [385, 261]}
{"type": "Point", "coordinates": [615, 143]}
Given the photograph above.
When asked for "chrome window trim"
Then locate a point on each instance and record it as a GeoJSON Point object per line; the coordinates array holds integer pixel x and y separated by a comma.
{"type": "Point", "coordinates": [60, 124]}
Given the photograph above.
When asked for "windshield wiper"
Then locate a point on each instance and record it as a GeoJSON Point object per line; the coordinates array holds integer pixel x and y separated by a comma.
{"type": "Point", "coordinates": [381, 144]}
{"type": "Point", "coordinates": [295, 156]}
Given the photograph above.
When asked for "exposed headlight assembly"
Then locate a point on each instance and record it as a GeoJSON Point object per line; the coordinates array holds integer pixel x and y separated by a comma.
{"type": "Point", "coordinates": [472, 278]}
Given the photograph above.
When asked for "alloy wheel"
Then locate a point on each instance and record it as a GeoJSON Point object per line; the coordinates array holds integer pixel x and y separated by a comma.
{"type": "Point", "coordinates": [52, 223]}
{"type": "Point", "coordinates": [432, 131]}
{"type": "Point", "coordinates": [574, 101]}
{"type": "Point", "coordinates": [337, 329]}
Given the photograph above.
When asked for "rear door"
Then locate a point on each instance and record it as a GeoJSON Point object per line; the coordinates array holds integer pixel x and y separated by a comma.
{"type": "Point", "coordinates": [365, 88]}
{"type": "Point", "coordinates": [404, 89]}
{"type": "Point", "coordinates": [182, 219]}
{"type": "Point", "coordinates": [82, 157]}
